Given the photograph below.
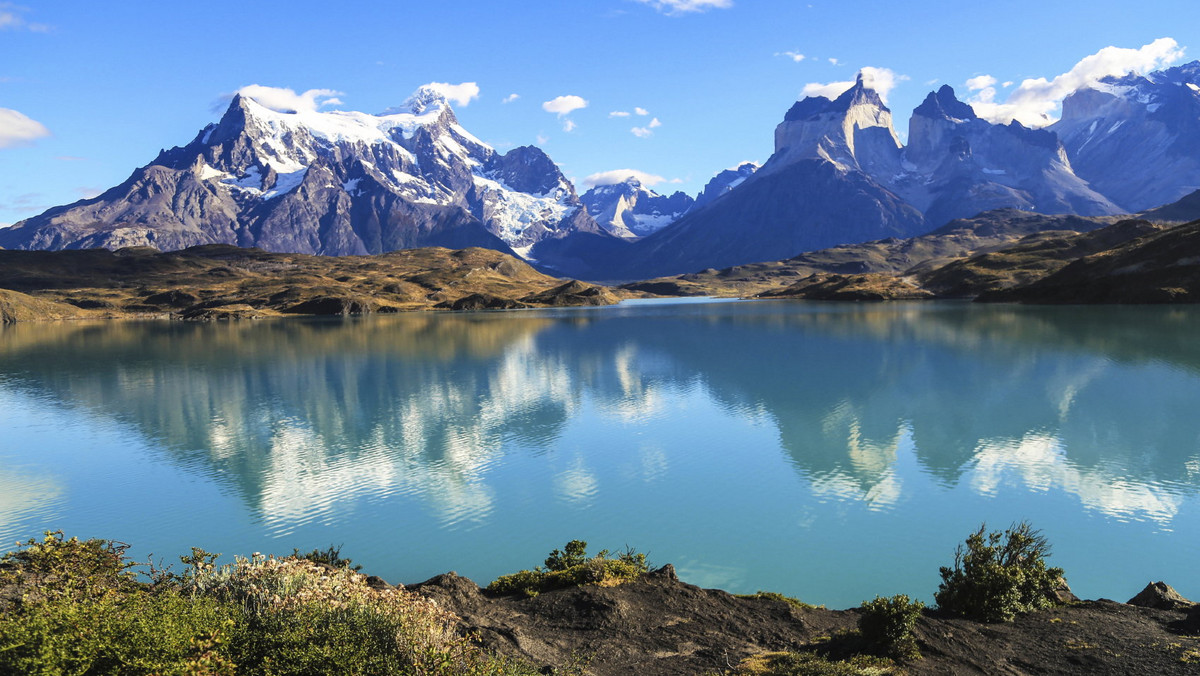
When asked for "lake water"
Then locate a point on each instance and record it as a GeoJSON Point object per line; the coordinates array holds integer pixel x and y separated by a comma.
{"type": "Point", "coordinates": [827, 451]}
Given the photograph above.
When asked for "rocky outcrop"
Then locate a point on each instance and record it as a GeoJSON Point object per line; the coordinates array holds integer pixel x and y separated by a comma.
{"type": "Point", "coordinates": [1160, 595]}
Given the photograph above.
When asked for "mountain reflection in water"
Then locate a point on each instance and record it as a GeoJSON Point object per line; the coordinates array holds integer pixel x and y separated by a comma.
{"type": "Point", "coordinates": [317, 423]}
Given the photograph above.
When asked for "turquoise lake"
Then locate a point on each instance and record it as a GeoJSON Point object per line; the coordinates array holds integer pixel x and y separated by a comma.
{"type": "Point", "coordinates": [831, 452]}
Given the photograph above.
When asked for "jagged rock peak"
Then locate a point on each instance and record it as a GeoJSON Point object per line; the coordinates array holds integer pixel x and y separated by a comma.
{"type": "Point", "coordinates": [811, 108]}
{"type": "Point", "coordinates": [944, 104]}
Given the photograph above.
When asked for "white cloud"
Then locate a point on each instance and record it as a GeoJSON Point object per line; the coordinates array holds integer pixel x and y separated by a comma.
{"type": "Point", "coordinates": [641, 111]}
{"type": "Point", "coordinates": [510, 98]}
{"type": "Point", "coordinates": [568, 125]}
{"type": "Point", "coordinates": [834, 61]}
{"type": "Point", "coordinates": [287, 101]}
{"type": "Point", "coordinates": [561, 105]}
{"type": "Point", "coordinates": [794, 56]}
{"type": "Point", "coordinates": [619, 113]}
{"type": "Point", "coordinates": [882, 80]}
{"type": "Point", "coordinates": [1035, 101]}
{"type": "Point", "coordinates": [459, 94]}
{"type": "Point", "coordinates": [981, 82]}
{"type": "Point", "coordinates": [620, 175]}
{"type": "Point", "coordinates": [16, 129]}
{"type": "Point", "coordinates": [643, 132]}
{"type": "Point", "coordinates": [542, 139]}
{"type": "Point", "coordinates": [675, 7]}
{"type": "Point", "coordinates": [11, 19]}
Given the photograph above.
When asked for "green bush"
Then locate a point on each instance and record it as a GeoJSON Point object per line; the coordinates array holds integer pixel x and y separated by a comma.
{"type": "Point", "coordinates": [998, 575]}
{"type": "Point", "coordinates": [331, 556]}
{"type": "Point", "coordinates": [887, 624]}
{"type": "Point", "coordinates": [573, 568]}
{"type": "Point", "coordinates": [81, 610]}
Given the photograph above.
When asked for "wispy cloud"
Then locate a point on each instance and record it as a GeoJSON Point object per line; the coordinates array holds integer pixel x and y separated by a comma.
{"type": "Point", "coordinates": [677, 7]}
{"type": "Point", "coordinates": [12, 19]}
{"type": "Point", "coordinates": [619, 113]}
{"type": "Point", "coordinates": [16, 129]}
{"type": "Point", "coordinates": [1035, 101]}
{"type": "Point", "coordinates": [794, 56]}
{"type": "Point", "coordinates": [510, 98]}
{"type": "Point", "coordinates": [882, 80]}
{"type": "Point", "coordinates": [569, 125]}
{"type": "Point", "coordinates": [460, 94]}
{"type": "Point", "coordinates": [285, 100]}
{"type": "Point", "coordinates": [562, 105]}
{"type": "Point", "coordinates": [641, 111]}
{"type": "Point", "coordinates": [620, 176]}
{"type": "Point", "coordinates": [981, 82]}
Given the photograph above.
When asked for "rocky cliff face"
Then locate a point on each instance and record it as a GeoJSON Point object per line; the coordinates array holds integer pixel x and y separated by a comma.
{"type": "Point", "coordinates": [853, 131]}
{"type": "Point", "coordinates": [630, 210]}
{"type": "Point", "coordinates": [817, 190]}
{"type": "Point", "coordinates": [957, 165]}
{"type": "Point", "coordinates": [1137, 138]}
{"type": "Point", "coordinates": [332, 183]}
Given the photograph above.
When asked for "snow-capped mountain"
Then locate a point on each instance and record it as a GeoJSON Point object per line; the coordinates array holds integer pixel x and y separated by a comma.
{"type": "Point", "coordinates": [1136, 138]}
{"type": "Point", "coordinates": [630, 210]}
{"type": "Point", "coordinates": [332, 183]}
{"type": "Point", "coordinates": [957, 165]}
{"type": "Point", "coordinates": [723, 182]}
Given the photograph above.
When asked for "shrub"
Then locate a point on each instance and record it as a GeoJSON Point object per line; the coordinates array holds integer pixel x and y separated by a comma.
{"type": "Point", "coordinates": [573, 568]}
{"type": "Point", "coordinates": [575, 554]}
{"type": "Point", "coordinates": [82, 610]}
{"type": "Point", "coordinates": [331, 556]}
{"type": "Point", "coordinates": [71, 568]}
{"type": "Point", "coordinates": [998, 575]}
{"type": "Point", "coordinates": [888, 623]}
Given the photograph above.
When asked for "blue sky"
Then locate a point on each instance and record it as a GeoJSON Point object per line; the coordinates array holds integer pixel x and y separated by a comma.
{"type": "Point", "coordinates": [89, 90]}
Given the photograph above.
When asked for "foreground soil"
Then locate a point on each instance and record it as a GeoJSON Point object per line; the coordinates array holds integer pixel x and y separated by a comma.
{"type": "Point", "coordinates": [660, 625]}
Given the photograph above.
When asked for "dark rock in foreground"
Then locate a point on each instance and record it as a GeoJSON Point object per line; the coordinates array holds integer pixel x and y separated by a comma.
{"type": "Point", "coordinates": [660, 625]}
{"type": "Point", "coordinates": [1160, 595]}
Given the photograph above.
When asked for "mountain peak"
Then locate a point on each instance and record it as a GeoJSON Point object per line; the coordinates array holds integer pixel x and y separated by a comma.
{"type": "Point", "coordinates": [426, 99]}
{"type": "Point", "coordinates": [944, 104]}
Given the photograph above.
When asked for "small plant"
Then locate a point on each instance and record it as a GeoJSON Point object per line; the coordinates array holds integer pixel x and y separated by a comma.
{"type": "Point", "coordinates": [572, 568]}
{"type": "Point", "coordinates": [575, 554]}
{"type": "Point", "coordinates": [887, 624]}
{"type": "Point", "coordinates": [331, 556]}
{"type": "Point", "coordinates": [776, 596]}
{"type": "Point", "coordinates": [812, 664]}
{"type": "Point", "coordinates": [999, 574]}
